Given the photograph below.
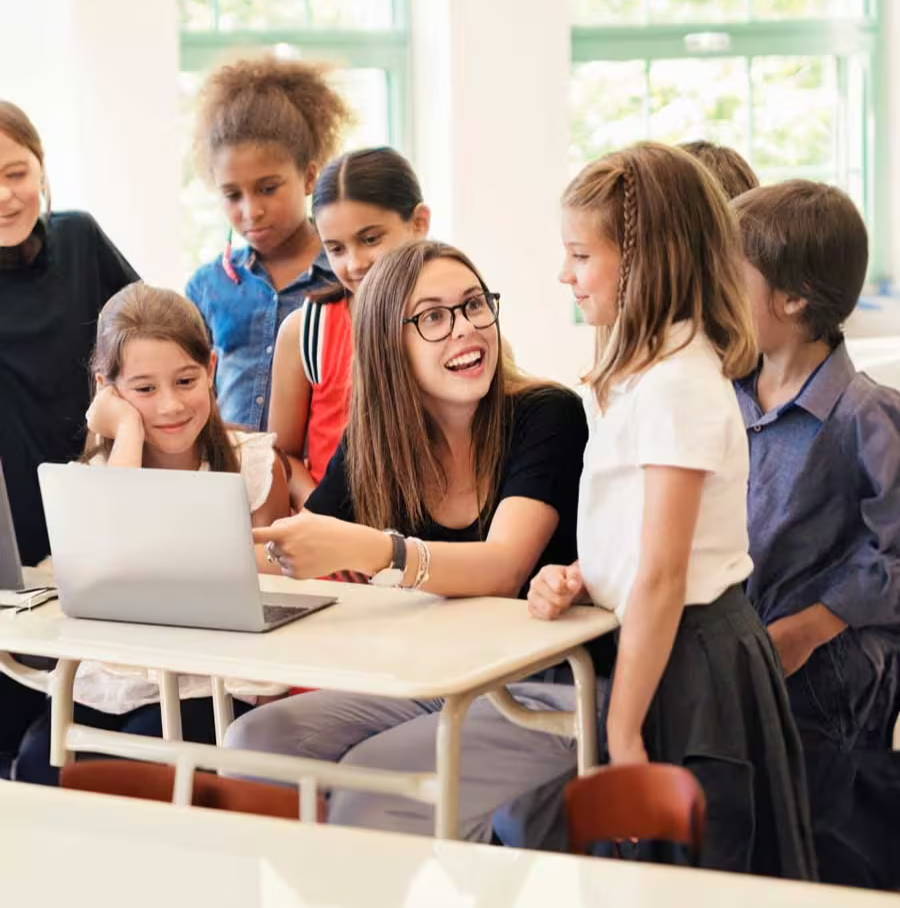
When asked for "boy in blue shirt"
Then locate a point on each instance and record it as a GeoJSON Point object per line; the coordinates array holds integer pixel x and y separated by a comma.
{"type": "Point", "coordinates": [824, 514]}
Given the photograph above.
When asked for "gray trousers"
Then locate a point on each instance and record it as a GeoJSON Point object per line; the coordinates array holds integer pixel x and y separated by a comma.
{"type": "Point", "coordinates": [499, 763]}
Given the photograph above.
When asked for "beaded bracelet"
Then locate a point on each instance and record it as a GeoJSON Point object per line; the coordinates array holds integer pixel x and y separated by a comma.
{"type": "Point", "coordinates": [424, 565]}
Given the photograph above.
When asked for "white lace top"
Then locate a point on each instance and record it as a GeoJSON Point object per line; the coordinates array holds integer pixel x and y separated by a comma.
{"type": "Point", "coordinates": [119, 689]}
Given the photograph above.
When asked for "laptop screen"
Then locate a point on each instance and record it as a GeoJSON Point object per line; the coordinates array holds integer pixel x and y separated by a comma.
{"type": "Point", "coordinates": [10, 566]}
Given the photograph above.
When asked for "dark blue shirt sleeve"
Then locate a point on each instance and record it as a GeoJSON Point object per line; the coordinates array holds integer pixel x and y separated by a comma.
{"type": "Point", "coordinates": [865, 587]}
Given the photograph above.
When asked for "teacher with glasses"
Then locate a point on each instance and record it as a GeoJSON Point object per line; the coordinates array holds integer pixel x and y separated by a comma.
{"type": "Point", "coordinates": [457, 475]}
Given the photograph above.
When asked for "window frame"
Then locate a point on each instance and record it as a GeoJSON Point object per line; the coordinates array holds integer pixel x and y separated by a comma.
{"type": "Point", "coordinates": [386, 49]}
{"type": "Point", "coordinates": [804, 37]}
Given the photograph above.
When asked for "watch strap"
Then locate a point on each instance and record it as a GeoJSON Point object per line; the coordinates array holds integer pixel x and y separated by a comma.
{"type": "Point", "coordinates": [398, 551]}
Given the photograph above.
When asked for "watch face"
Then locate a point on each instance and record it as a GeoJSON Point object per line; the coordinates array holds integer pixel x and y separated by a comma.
{"type": "Point", "coordinates": [387, 577]}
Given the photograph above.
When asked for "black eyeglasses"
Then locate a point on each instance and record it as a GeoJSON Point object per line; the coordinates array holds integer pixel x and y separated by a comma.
{"type": "Point", "coordinates": [436, 324]}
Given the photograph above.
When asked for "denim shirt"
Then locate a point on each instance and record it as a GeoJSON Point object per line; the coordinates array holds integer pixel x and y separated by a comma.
{"type": "Point", "coordinates": [244, 319]}
{"type": "Point", "coordinates": [824, 497]}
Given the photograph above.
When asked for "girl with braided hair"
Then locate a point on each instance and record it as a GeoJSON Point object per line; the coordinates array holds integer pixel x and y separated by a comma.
{"type": "Point", "coordinates": [652, 257]}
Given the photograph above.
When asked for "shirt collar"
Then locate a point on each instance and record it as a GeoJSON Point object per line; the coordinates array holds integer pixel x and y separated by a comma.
{"type": "Point", "coordinates": [245, 257]}
{"type": "Point", "coordinates": [676, 339]}
{"type": "Point", "coordinates": [26, 254]}
{"type": "Point", "coordinates": [818, 395]}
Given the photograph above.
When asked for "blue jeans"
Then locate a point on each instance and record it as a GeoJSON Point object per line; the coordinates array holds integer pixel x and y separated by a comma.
{"type": "Point", "coordinates": [845, 700]}
{"type": "Point", "coordinates": [847, 696]}
{"type": "Point", "coordinates": [19, 707]}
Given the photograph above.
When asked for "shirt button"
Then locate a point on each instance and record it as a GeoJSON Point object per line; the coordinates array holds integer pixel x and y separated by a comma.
{"type": "Point", "coordinates": [260, 400]}
{"type": "Point", "coordinates": [269, 349]}
{"type": "Point", "coordinates": [757, 428]}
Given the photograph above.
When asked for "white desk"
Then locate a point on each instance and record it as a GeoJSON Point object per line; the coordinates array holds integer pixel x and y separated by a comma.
{"type": "Point", "coordinates": [384, 642]}
{"type": "Point", "coordinates": [80, 849]}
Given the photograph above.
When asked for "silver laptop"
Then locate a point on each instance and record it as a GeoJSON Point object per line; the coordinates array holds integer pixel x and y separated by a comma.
{"type": "Point", "coordinates": [159, 547]}
{"type": "Point", "coordinates": [31, 585]}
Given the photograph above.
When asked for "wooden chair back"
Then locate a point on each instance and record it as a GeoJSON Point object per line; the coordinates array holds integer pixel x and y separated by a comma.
{"type": "Point", "coordinates": [645, 801]}
{"type": "Point", "coordinates": [155, 782]}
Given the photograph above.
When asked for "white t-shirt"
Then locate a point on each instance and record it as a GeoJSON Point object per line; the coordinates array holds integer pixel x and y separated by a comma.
{"type": "Point", "coordinates": [681, 412]}
{"type": "Point", "coordinates": [119, 689]}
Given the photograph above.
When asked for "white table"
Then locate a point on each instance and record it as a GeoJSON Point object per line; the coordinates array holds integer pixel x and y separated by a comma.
{"type": "Point", "coordinates": [383, 642]}
{"type": "Point", "coordinates": [80, 849]}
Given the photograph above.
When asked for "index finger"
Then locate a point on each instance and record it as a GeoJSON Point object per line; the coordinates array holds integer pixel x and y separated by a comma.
{"type": "Point", "coordinates": [266, 534]}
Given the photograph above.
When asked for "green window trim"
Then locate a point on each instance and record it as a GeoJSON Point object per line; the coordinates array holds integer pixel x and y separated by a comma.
{"type": "Point", "coordinates": [385, 49]}
{"type": "Point", "coordinates": [839, 38]}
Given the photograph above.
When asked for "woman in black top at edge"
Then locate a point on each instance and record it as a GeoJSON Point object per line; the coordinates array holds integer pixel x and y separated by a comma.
{"type": "Point", "coordinates": [56, 272]}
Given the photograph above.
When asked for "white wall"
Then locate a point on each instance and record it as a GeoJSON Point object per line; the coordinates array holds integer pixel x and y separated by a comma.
{"type": "Point", "coordinates": [490, 112]}
{"type": "Point", "coordinates": [490, 146]}
{"type": "Point", "coordinates": [97, 77]}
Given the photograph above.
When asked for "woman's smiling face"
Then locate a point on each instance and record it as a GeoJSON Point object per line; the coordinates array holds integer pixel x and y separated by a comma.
{"type": "Point", "coordinates": [458, 370]}
{"type": "Point", "coordinates": [21, 178]}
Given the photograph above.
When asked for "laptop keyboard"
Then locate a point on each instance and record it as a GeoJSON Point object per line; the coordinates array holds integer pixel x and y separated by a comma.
{"type": "Point", "coordinates": [282, 607]}
{"type": "Point", "coordinates": [273, 613]}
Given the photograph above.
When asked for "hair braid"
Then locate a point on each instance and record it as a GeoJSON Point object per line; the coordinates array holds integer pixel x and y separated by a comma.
{"type": "Point", "coordinates": [629, 233]}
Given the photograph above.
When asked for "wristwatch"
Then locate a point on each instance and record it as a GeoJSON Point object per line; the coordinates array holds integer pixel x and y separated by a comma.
{"type": "Point", "coordinates": [392, 575]}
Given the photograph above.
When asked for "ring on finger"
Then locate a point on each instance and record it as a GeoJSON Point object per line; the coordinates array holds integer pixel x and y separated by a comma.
{"type": "Point", "coordinates": [271, 557]}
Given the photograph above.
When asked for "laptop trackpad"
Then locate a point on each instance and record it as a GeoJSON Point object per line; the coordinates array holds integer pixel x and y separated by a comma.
{"type": "Point", "coordinates": [278, 608]}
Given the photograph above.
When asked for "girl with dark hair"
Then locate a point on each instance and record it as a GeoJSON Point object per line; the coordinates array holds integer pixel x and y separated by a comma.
{"type": "Point", "coordinates": [56, 271]}
{"type": "Point", "coordinates": [474, 468]}
{"type": "Point", "coordinates": [264, 130]}
{"type": "Point", "coordinates": [365, 204]}
{"type": "Point", "coordinates": [155, 407]}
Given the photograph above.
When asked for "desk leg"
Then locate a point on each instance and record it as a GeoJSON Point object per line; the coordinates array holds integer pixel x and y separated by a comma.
{"type": "Point", "coordinates": [62, 705]}
{"type": "Point", "coordinates": [309, 799]}
{"type": "Point", "coordinates": [449, 733]}
{"type": "Point", "coordinates": [585, 708]}
{"type": "Point", "coordinates": [223, 709]}
{"type": "Point", "coordinates": [170, 706]}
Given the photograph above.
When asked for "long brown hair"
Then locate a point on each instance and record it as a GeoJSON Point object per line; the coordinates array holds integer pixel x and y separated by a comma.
{"type": "Point", "coordinates": [392, 442]}
{"type": "Point", "coordinates": [680, 260]}
{"type": "Point", "coordinates": [142, 311]}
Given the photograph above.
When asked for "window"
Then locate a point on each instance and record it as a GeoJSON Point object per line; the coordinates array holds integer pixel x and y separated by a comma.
{"type": "Point", "coordinates": [796, 86]}
{"type": "Point", "coordinates": [366, 39]}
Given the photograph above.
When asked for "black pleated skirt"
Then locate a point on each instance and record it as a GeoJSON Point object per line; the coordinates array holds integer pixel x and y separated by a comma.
{"type": "Point", "coordinates": [722, 711]}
